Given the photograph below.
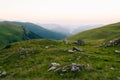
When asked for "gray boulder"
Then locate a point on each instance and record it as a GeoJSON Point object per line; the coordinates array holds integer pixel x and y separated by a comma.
{"type": "Point", "coordinates": [65, 41]}
{"type": "Point", "coordinates": [77, 49]}
{"type": "Point", "coordinates": [70, 51]}
{"type": "Point", "coordinates": [114, 42]}
{"type": "Point", "coordinates": [117, 51]}
{"type": "Point", "coordinates": [53, 66]}
{"type": "Point", "coordinates": [80, 42]}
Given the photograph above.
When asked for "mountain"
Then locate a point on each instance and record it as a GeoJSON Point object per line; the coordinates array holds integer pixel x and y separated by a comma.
{"type": "Point", "coordinates": [57, 28]}
{"type": "Point", "coordinates": [10, 33]}
{"type": "Point", "coordinates": [31, 59]}
{"type": "Point", "coordinates": [101, 34]}
{"type": "Point", "coordinates": [42, 32]}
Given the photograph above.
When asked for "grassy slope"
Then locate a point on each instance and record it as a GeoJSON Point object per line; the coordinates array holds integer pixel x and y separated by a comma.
{"type": "Point", "coordinates": [104, 33]}
{"type": "Point", "coordinates": [10, 33]}
{"type": "Point", "coordinates": [38, 59]}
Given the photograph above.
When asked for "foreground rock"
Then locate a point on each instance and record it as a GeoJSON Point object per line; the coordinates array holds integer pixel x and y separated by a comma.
{"type": "Point", "coordinates": [66, 41]}
{"type": "Point", "coordinates": [3, 73]}
{"type": "Point", "coordinates": [112, 43]}
{"type": "Point", "coordinates": [74, 67]}
{"type": "Point", "coordinates": [70, 51]}
{"type": "Point", "coordinates": [117, 51]}
{"type": "Point", "coordinates": [77, 49]}
{"type": "Point", "coordinates": [80, 42]}
{"type": "Point", "coordinates": [53, 66]}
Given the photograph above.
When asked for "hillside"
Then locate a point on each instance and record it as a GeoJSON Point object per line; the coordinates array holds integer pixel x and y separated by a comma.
{"type": "Point", "coordinates": [10, 33]}
{"type": "Point", "coordinates": [30, 60]}
{"type": "Point", "coordinates": [103, 33]}
{"type": "Point", "coordinates": [38, 30]}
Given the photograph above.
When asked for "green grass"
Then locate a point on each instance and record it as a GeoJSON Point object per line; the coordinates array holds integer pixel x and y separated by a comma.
{"type": "Point", "coordinates": [38, 58]}
{"type": "Point", "coordinates": [100, 34]}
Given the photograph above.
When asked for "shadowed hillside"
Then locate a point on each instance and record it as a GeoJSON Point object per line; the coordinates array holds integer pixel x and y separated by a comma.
{"type": "Point", "coordinates": [10, 33]}
{"type": "Point", "coordinates": [38, 30]}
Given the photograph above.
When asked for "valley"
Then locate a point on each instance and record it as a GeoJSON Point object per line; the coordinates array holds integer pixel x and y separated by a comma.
{"type": "Point", "coordinates": [31, 59]}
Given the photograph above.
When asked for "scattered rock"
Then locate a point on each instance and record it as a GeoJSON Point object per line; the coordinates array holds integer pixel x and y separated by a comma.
{"type": "Point", "coordinates": [80, 42]}
{"type": "Point", "coordinates": [2, 74]}
{"type": "Point", "coordinates": [71, 68]}
{"type": "Point", "coordinates": [117, 51]}
{"type": "Point", "coordinates": [77, 49]}
{"type": "Point", "coordinates": [70, 51]}
{"type": "Point", "coordinates": [22, 56]}
{"type": "Point", "coordinates": [118, 78]}
{"type": "Point", "coordinates": [46, 47]}
{"type": "Point", "coordinates": [65, 41]}
{"type": "Point", "coordinates": [76, 67]}
{"type": "Point", "coordinates": [53, 66]}
{"type": "Point", "coordinates": [114, 42]}
{"type": "Point", "coordinates": [112, 68]}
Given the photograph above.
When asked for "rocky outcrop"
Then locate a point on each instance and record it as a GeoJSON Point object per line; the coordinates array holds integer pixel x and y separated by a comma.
{"type": "Point", "coordinates": [74, 67]}
{"type": "Point", "coordinates": [112, 43]}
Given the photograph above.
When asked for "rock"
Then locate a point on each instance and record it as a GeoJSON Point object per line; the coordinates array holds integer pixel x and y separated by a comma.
{"type": "Point", "coordinates": [114, 42]}
{"type": "Point", "coordinates": [118, 78]}
{"type": "Point", "coordinates": [112, 68]}
{"type": "Point", "coordinates": [65, 41]}
{"type": "Point", "coordinates": [46, 47]}
{"type": "Point", "coordinates": [80, 42]}
{"type": "Point", "coordinates": [70, 51]}
{"type": "Point", "coordinates": [4, 73]}
{"type": "Point", "coordinates": [53, 66]}
{"type": "Point", "coordinates": [69, 68]}
{"type": "Point", "coordinates": [22, 56]}
{"type": "Point", "coordinates": [74, 67]}
{"type": "Point", "coordinates": [77, 49]}
{"type": "Point", "coordinates": [117, 51]}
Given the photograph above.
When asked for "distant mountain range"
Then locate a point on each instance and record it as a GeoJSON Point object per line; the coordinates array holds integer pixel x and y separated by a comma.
{"type": "Point", "coordinates": [13, 31]}
{"type": "Point", "coordinates": [57, 28]}
{"type": "Point", "coordinates": [39, 30]}
{"type": "Point", "coordinates": [17, 31]}
{"type": "Point", "coordinates": [69, 29]}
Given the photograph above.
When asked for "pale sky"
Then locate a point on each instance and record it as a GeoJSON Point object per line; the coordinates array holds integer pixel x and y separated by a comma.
{"type": "Point", "coordinates": [61, 11]}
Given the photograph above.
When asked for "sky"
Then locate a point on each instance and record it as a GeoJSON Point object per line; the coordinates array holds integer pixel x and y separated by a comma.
{"type": "Point", "coordinates": [61, 11]}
